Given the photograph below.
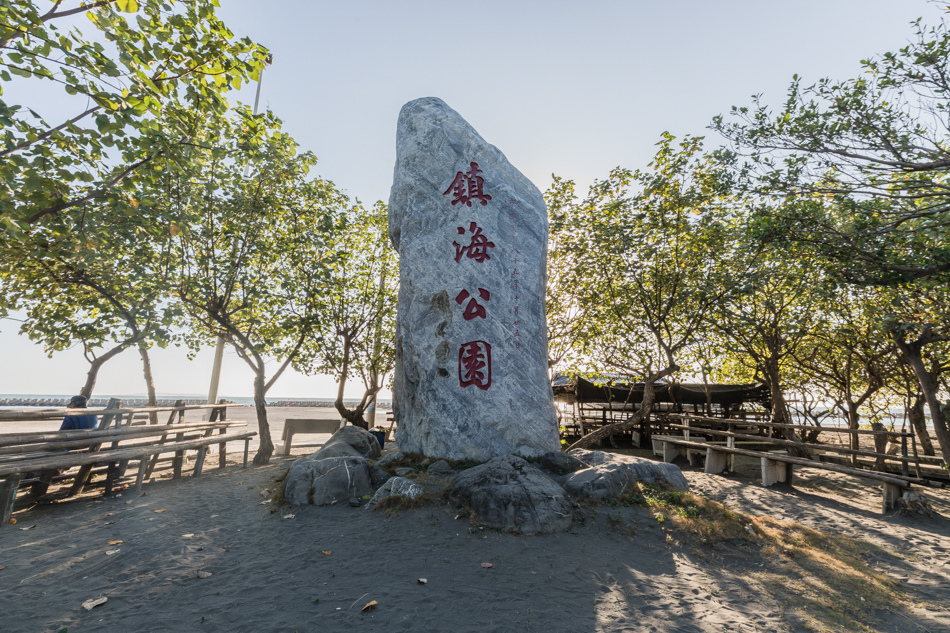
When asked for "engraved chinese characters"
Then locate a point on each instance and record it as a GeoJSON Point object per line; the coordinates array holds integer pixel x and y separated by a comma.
{"type": "Point", "coordinates": [471, 346]}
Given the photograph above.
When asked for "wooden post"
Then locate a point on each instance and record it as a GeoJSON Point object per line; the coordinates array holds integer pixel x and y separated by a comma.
{"type": "Point", "coordinates": [905, 469]}
{"type": "Point", "coordinates": [890, 495]}
{"type": "Point", "coordinates": [247, 445]}
{"type": "Point", "coordinates": [8, 487]}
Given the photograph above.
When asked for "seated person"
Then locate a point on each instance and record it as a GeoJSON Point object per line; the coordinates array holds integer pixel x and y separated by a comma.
{"type": "Point", "coordinates": [73, 422]}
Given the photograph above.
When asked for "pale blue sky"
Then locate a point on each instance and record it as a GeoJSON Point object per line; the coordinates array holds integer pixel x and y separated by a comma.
{"type": "Point", "coordinates": [570, 88]}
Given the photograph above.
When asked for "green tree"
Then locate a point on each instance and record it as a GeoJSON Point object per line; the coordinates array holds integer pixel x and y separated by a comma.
{"type": "Point", "coordinates": [104, 284]}
{"type": "Point", "coordinates": [358, 310]}
{"type": "Point", "coordinates": [255, 251]}
{"type": "Point", "coordinates": [151, 76]}
{"type": "Point", "coordinates": [863, 163]}
{"type": "Point", "coordinates": [648, 257]}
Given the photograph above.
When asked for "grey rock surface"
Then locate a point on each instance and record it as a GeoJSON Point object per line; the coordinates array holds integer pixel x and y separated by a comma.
{"type": "Point", "coordinates": [402, 471]}
{"type": "Point", "coordinates": [378, 475]}
{"type": "Point", "coordinates": [611, 474]}
{"type": "Point", "coordinates": [509, 493]}
{"type": "Point", "coordinates": [440, 468]}
{"type": "Point", "coordinates": [561, 463]}
{"type": "Point", "coordinates": [390, 458]}
{"type": "Point", "coordinates": [323, 481]}
{"type": "Point", "coordinates": [397, 486]}
{"type": "Point", "coordinates": [471, 341]}
{"type": "Point", "coordinates": [350, 440]}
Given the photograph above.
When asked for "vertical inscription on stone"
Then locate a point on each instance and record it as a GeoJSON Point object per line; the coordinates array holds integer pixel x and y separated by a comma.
{"type": "Point", "coordinates": [470, 227]}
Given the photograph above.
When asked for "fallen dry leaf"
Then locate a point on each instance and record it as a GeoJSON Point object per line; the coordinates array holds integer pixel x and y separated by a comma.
{"type": "Point", "coordinates": [112, 552]}
{"type": "Point", "coordinates": [187, 535]}
{"type": "Point", "coordinates": [487, 565]}
{"type": "Point", "coordinates": [204, 574]}
{"type": "Point", "coordinates": [1, 566]}
{"type": "Point", "coordinates": [265, 502]}
{"type": "Point", "coordinates": [12, 521]}
{"type": "Point", "coordinates": [214, 516]}
{"type": "Point", "coordinates": [110, 522]}
{"type": "Point", "coordinates": [369, 606]}
{"type": "Point", "coordinates": [422, 581]}
{"type": "Point", "coordinates": [115, 542]}
{"type": "Point", "coordinates": [290, 516]}
{"type": "Point", "coordinates": [327, 552]}
{"type": "Point", "coordinates": [29, 528]}
{"type": "Point", "coordinates": [159, 511]}
{"type": "Point", "coordinates": [92, 603]}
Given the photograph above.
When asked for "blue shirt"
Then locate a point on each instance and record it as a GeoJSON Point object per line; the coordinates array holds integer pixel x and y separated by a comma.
{"type": "Point", "coordinates": [73, 422]}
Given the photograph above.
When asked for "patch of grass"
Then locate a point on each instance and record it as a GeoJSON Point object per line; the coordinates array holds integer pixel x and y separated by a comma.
{"type": "Point", "coordinates": [397, 504]}
{"type": "Point", "coordinates": [823, 581]}
{"type": "Point", "coordinates": [278, 499]}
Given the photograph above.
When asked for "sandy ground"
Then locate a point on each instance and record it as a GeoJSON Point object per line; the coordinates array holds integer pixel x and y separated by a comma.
{"type": "Point", "coordinates": [313, 569]}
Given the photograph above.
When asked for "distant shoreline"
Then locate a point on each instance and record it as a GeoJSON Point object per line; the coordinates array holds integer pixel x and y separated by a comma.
{"type": "Point", "coordinates": [24, 400]}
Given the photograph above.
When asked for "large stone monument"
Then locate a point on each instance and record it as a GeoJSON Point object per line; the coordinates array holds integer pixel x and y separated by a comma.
{"type": "Point", "coordinates": [471, 376]}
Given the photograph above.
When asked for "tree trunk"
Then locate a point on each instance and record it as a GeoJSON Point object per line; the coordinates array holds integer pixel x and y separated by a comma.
{"type": "Point", "coordinates": [780, 408]}
{"type": "Point", "coordinates": [919, 422]}
{"type": "Point", "coordinates": [646, 406]}
{"type": "Point", "coordinates": [260, 405]}
{"type": "Point", "coordinates": [94, 366]}
{"type": "Point", "coordinates": [149, 382]}
{"type": "Point", "coordinates": [354, 417]}
{"type": "Point", "coordinates": [912, 355]}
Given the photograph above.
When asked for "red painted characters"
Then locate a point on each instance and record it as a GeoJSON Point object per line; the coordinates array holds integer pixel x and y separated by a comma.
{"type": "Point", "coordinates": [468, 186]}
{"type": "Point", "coordinates": [475, 365]}
{"type": "Point", "coordinates": [477, 249]}
{"type": "Point", "coordinates": [474, 309]}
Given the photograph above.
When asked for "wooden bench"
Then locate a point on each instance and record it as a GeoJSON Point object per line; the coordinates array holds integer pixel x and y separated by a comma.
{"type": "Point", "coordinates": [298, 426]}
{"type": "Point", "coordinates": [778, 468]}
{"type": "Point", "coordinates": [12, 470]}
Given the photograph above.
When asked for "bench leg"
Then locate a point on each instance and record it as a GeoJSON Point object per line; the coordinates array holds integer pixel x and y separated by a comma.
{"type": "Point", "coordinates": [82, 478]}
{"type": "Point", "coordinates": [636, 438]}
{"type": "Point", "coordinates": [8, 488]}
{"type": "Point", "coordinates": [177, 464]}
{"type": "Point", "coordinates": [716, 462]}
{"type": "Point", "coordinates": [692, 455]}
{"type": "Point", "coordinates": [140, 477]}
{"type": "Point", "coordinates": [285, 449]}
{"type": "Point", "coordinates": [247, 446]}
{"type": "Point", "coordinates": [889, 497]}
{"type": "Point", "coordinates": [200, 462]}
{"type": "Point", "coordinates": [774, 472]}
{"type": "Point", "coordinates": [670, 451]}
{"type": "Point", "coordinates": [657, 447]}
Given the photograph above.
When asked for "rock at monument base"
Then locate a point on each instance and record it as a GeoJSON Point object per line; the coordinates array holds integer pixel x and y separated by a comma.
{"type": "Point", "coordinates": [390, 458]}
{"type": "Point", "coordinates": [350, 441]}
{"type": "Point", "coordinates": [611, 475]}
{"type": "Point", "coordinates": [561, 463]}
{"type": "Point", "coordinates": [470, 378]}
{"type": "Point", "coordinates": [397, 486]}
{"type": "Point", "coordinates": [440, 468]}
{"type": "Point", "coordinates": [325, 481]}
{"type": "Point", "coordinates": [510, 494]}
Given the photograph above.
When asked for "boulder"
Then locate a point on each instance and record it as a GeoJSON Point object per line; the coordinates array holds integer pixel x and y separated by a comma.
{"type": "Point", "coordinates": [397, 486]}
{"type": "Point", "coordinates": [561, 463]}
{"type": "Point", "coordinates": [323, 481]}
{"type": "Point", "coordinates": [390, 458]}
{"type": "Point", "coordinates": [510, 494]}
{"type": "Point", "coordinates": [350, 440]}
{"type": "Point", "coordinates": [378, 475]}
{"type": "Point", "coordinates": [440, 468]}
{"type": "Point", "coordinates": [471, 367]}
{"type": "Point", "coordinates": [611, 475]}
